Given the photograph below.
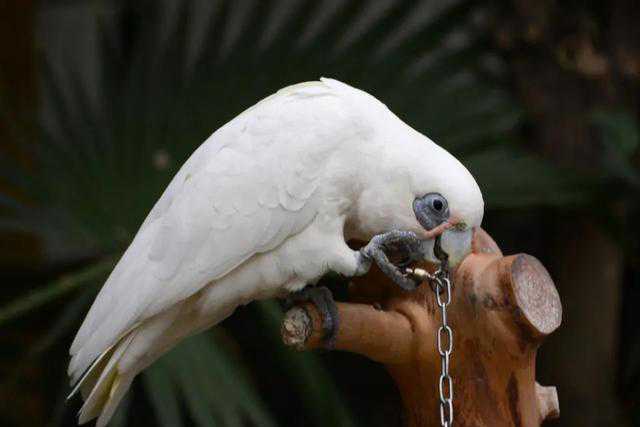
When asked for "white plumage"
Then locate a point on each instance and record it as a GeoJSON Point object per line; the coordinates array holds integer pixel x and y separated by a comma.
{"type": "Point", "coordinates": [261, 208]}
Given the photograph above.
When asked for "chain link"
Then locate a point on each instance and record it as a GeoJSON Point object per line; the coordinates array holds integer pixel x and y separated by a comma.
{"type": "Point", "coordinates": [441, 285]}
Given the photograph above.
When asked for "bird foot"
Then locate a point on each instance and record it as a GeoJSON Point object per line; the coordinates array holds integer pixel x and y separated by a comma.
{"type": "Point", "coordinates": [322, 298]}
{"type": "Point", "coordinates": [406, 244]}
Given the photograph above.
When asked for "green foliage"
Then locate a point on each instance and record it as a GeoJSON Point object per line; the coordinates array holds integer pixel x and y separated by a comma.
{"type": "Point", "coordinates": [513, 178]}
{"type": "Point", "coordinates": [210, 380]}
{"type": "Point", "coordinates": [57, 288]}
{"type": "Point", "coordinates": [321, 397]}
{"type": "Point", "coordinates": [620, 133]}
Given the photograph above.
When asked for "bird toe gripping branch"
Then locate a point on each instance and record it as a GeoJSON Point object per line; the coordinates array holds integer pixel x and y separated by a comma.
{"type": "Point", "coordinates": [322, 299]}
{"type": "Point", "coordinates": [504, 309]}
{"type": "Point", "coordinates": [411, 249]}
{"type": "Point", "coordinates": [403, 243]}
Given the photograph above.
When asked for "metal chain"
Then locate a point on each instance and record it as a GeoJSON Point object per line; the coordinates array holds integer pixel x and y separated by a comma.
{"type": "Point", "coordinates": [444, 341]}
{"type": "Point", "coordinates": [441, 285]}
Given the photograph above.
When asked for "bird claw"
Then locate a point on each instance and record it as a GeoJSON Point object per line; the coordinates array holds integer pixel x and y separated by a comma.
{"type": "Point", "coordinates": [321, 297]}
{"type": "Point", "coordinates": [404, 242]}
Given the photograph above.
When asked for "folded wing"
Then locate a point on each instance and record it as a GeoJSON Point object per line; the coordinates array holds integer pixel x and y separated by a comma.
{"type": "Point", "coordinates": [251, 185]}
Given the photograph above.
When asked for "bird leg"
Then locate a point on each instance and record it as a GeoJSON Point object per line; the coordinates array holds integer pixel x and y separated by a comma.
{"type": "Point", "coordinates": [400, 242]}
{"type": "Point", "coordinates": [322, 298]}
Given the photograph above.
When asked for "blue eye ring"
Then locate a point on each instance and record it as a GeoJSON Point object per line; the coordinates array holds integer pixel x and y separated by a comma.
{"type": "Point", "coordinates": [431, 210]}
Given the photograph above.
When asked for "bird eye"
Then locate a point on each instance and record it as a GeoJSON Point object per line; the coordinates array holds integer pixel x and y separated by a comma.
{"type": "Point", "coordinates": [437, 203]}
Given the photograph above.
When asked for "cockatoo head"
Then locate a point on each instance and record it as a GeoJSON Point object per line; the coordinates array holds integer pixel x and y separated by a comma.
{"type": "Point", "coordinates": [420, 187]}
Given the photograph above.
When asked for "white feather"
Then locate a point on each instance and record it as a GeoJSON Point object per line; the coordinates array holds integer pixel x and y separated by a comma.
{"type": "Point", "coordinates": [208, 221]}
{"type": "Point", "coordinates": [258, 209]}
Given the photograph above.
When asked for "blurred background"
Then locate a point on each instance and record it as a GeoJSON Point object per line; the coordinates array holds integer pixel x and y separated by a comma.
{"type": "Point", "coordinates": [101, 102]}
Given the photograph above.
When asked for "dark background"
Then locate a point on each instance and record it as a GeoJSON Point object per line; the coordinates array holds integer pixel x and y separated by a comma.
{"type": "Point", "coordinates": [102, 101]}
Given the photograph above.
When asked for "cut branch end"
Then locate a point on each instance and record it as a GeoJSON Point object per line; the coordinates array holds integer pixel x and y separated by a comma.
{"type": "Point", "coordinates": [548, 402]}
{"type": "Point", "coordinates": [297, 327]}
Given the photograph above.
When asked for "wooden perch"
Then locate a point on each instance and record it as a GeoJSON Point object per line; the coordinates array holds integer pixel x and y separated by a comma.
{"type": "Point", "coordinates": [502, 309]}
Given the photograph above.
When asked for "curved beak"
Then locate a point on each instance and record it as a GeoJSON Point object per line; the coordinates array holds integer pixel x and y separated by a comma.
{"type": "Point", "coordinates": [454, 241]}
{"type": "Point", "coordinates": [457, 244]}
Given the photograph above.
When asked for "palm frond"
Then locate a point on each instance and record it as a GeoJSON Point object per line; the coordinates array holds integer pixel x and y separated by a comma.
{"type": "Point", "coordinates": [163, 395]}
{"type": "Point", "coordinates": [513, 178]}
{"type": "Point", "coordinates": [621, 137]}
{"type": "Point", "coordinates": [55, 289]}
{"type": "Point", "coordinates": [201, 373]}
{"type": "Point", "coordinates": [321, 396]}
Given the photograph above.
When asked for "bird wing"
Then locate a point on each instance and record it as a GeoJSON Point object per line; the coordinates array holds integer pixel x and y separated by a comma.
{"type": "Point", "coordinates": [244, 191]}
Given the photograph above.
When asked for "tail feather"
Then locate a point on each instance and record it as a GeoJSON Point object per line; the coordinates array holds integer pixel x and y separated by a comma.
{"type": "Point", "coordinates": [106, 381]}
{"type": "Point", "coordinates": [119, 387]}
{"type": "Point", "coordinates": [102, 386]}
{"type": "Point", "coordinates": [86, 381]}
{"type": "Point", "coordinates": [90, 380]}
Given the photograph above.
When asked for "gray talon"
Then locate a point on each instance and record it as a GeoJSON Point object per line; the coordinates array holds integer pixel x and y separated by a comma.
{"type": "Point", "coordinates": [322, 298]}
{"type": "Point", "coordinates": [405, 242]}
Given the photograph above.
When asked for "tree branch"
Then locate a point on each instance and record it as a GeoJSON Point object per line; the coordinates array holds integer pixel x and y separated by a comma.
{"type": "Point", "coordinates": [383, 336]}
{"type": "Point", "coordinates": [501, 310]}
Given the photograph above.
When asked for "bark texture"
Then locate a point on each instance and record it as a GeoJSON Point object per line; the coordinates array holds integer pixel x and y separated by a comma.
{"type": "Point", "coordinates": [502, 309]}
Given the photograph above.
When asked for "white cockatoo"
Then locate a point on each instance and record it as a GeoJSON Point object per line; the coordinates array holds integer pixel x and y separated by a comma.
{"type": "Point", "coordinates": [263, 208]}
